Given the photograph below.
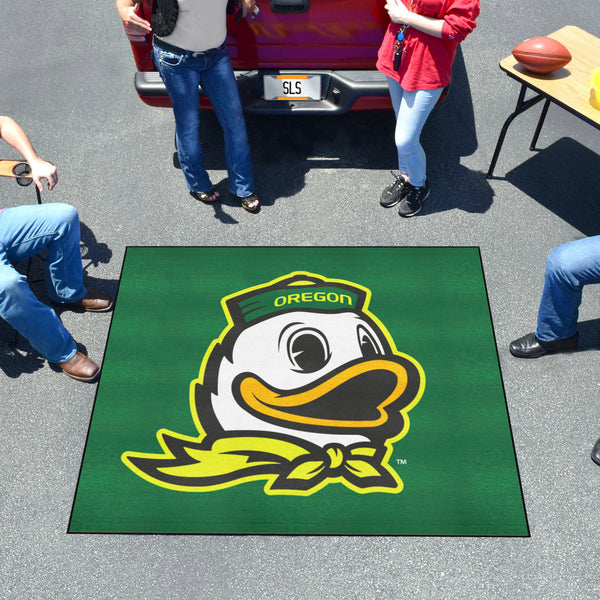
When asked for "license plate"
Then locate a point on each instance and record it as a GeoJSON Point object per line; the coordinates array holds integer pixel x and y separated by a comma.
{"type": "Point", "coordinates": [292, 87]}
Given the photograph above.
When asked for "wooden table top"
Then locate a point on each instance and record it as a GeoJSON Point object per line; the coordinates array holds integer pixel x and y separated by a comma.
{"type": "Point", "coordinates": [571, 85]}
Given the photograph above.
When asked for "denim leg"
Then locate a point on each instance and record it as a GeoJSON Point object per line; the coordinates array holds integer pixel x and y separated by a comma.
{"type": "Point", "coordinates": [31, 318]}
{"type": "Point", "coordinates": [220, 86]}
{"type": "Point", "coordinates": [412, 110]}
{"type": "Point", "coordinates": [568, 268]}
{"type": "Point", "coordinates": [27, 230]}
{"type": "Point", "coordinates": [181, 78]}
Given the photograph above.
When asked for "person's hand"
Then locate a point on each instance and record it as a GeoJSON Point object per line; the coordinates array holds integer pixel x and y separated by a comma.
{"type": "Point", "coordinates": [132, 20]}
{"type": "Point", "coordinates": [398, 12]}
{"type": "Point", "coordinates": [42, 169]}
{"type": "Point", "coordinates": [247, 6]}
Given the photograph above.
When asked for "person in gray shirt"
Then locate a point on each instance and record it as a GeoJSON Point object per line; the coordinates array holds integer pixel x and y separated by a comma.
{"type": "Point", "coordinates": [189, 51]}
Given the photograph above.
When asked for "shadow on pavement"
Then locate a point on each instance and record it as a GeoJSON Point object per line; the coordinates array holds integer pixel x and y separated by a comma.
{"type": "Point", "coordinates": [589, 334]}
{"type": "Point", "coordinates": [565, 178]}
{"type": "Point", "coordinates": [19, 359]}
{"type": "Point", "coordinates": [92, 250]}
{"type": "Point", "coordinates": [449, 135]}
{"type": "Point", "coordinates": [285, 148]}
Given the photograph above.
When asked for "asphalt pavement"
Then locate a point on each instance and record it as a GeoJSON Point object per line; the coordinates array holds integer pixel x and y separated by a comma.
{"type": "Point", "coordinates": [67, 78]}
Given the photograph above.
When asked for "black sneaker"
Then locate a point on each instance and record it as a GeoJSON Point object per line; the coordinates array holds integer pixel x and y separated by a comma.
{"type": "Point", "coordinates": [395, 192]}
{"type": "Point", "coordinates": [413, 201]}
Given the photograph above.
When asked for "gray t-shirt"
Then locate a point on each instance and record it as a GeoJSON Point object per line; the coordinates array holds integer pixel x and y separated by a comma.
{"type": "Point", "coordinates": [200, 25]}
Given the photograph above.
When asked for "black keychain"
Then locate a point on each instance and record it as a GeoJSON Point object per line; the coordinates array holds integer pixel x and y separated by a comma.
{"type": "Point", "coordinates": [398, 47]}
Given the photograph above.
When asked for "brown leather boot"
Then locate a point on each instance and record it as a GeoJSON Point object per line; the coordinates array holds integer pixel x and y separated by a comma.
{"type": "Point", "coordinates": [80, 367]}
{"type": "Point", "coordinates": [94, 301]}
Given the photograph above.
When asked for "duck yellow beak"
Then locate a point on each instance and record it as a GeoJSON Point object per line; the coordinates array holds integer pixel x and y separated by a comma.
{"type": "Point", "coordinates": [330, 402]}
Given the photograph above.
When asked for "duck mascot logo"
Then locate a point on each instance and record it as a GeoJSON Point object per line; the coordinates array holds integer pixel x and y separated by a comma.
{"type": "Point", "coordinates": [303, 388]}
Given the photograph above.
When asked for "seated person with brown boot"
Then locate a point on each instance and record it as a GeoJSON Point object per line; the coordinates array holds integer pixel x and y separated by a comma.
{"type": "Point", "coordinates": [24, 232]}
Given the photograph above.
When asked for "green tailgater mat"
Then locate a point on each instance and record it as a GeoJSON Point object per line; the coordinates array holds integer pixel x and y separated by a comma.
{"type": "Point", "coordinates": [317, 391]}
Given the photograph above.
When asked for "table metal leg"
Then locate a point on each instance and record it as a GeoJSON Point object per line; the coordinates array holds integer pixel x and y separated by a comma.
{"type": "Point", "coordinates": [538, 129]}
{"type": "Point", "coordinates": [522, 106]}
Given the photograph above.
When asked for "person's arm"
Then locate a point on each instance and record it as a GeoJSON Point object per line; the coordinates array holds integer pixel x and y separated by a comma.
{"type": "Point", "coordinates": [130, 18]}
{"type": "Point", "coordinates": [13, 135]}
{"type": "Point", "coordinates": [400, 14]}
{"type": "Point", "coordinates": [247, 6]}
{"type": "Point", "coordinates": [457, 23]}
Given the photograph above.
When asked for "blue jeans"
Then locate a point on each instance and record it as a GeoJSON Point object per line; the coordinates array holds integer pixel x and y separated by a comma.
{"type": "Point", "coordinates": [24, 232]}
{"type": "Point", "coordinates": [568, 268]}
{"type": "Point", "coordinates": [182, 73]}
{"type": "Point", "coordinates": [412, 110]}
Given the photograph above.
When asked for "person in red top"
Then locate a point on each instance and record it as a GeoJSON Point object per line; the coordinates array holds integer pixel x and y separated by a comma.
{"type": "Point", "coordinates": [416, 54]}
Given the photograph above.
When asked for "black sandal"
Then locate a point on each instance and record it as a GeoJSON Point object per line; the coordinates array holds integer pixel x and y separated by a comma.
{"type": "Point", "coordinates": [206, 196]}
{"type": "Point", "coordinates": [250, 203]}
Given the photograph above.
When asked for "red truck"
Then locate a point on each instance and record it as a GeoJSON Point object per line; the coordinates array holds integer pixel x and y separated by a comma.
{"type": "Point", "coordinates": [296, 56]}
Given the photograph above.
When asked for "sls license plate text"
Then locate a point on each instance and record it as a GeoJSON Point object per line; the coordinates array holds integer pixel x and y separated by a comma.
{"type": "Point", "coordinates": [292, 87]}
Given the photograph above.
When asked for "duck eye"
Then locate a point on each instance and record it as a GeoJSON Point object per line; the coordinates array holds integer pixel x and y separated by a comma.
{"type": "Point", "coordinates": [308, 350]}
{"type": "Point", "coordinates": [368, 344]}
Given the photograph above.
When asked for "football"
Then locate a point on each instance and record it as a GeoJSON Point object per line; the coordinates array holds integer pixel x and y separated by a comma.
{"type": "Point", "coordinates": [541, 54]}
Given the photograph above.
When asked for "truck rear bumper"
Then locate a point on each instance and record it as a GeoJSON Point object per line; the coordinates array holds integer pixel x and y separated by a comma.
{"type": "Point", "coordinates": [341, 91]}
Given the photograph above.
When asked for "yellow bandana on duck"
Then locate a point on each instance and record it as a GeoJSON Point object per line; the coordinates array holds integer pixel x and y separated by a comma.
{"type": "Point", "coordinates": [288, 467]}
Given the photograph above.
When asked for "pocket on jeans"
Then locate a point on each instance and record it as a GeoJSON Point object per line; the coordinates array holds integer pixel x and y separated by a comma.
{"type": "Point", "coordinates": [170, 59]}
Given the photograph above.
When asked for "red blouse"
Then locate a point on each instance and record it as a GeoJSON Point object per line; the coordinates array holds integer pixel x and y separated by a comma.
{"type": "Point", "coordinates": [427, 60]}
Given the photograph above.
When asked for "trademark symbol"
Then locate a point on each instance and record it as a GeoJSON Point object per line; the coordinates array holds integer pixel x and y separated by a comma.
{"type": "Point", "coordinates": [401, 461]}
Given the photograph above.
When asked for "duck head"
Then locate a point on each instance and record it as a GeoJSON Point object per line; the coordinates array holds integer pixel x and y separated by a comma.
{"type": "Point", "coordinates": [304, 358]}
